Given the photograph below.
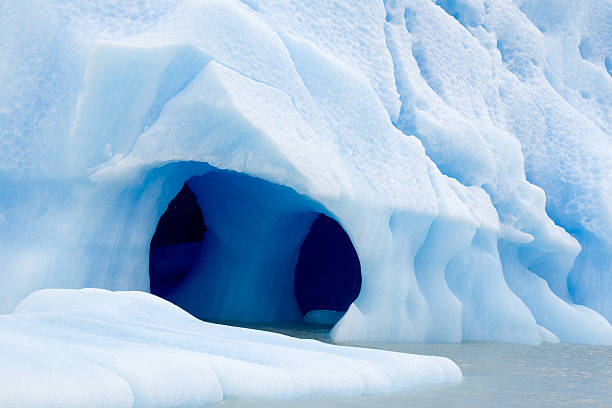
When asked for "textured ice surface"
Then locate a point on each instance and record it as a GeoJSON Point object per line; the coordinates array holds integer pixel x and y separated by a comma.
{"type": "Point", "coordinates": [464, 146]}
{"type": "Point", "coordinates": [92, 347]}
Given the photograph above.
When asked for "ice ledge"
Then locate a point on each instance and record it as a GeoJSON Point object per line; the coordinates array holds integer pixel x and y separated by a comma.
{"type": "Point", "coordinates": [100, 348]}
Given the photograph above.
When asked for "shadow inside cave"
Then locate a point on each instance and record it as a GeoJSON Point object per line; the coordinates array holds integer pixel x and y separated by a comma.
{"type": "Point", "coordinates": [239, 250]}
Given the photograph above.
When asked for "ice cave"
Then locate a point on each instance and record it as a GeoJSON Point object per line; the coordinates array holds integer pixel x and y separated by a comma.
{"type": "Point", "coordinates": [397, 171]}
{"type": "Point", "coordinates": [211, 253]}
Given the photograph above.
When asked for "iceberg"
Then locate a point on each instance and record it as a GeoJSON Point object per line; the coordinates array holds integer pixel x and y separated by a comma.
{"type": "Point", "coordinates": [458, 153]}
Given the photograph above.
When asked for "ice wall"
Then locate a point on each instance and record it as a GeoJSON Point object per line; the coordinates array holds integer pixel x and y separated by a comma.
{"type": "Point", "coordinates": [463, 146]}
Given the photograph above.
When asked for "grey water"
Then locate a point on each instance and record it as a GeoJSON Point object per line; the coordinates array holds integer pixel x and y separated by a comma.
{"type": "Point", "coordinates": [494, 375]}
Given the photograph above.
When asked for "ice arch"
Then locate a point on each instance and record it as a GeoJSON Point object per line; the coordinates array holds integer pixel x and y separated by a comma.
{"type": "Point", "coordinates": [235, 247]}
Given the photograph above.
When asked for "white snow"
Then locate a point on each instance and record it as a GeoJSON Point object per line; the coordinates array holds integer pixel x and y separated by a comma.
{"type": "Point", "coordinates": [97, 348]}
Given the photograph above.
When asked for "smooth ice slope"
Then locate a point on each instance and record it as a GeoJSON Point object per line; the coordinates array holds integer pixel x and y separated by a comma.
{"type": "Point", "coordinates": [463, 146]}
{"type": "Point", "coordinates": [93, 347]}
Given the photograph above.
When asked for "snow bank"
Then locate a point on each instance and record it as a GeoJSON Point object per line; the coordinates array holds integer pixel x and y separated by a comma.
{"type": "Point", "coordinates": [97, 348]}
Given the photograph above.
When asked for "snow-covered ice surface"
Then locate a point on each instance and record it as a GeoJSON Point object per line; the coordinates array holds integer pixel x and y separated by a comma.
{"type": "Point", "coordinates": [96, 348]}
{"type": "Point", "coordinates": [464, 146]}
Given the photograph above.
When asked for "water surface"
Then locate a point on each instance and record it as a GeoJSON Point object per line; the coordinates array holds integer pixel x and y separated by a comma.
{"type": "Point", "coordinates": [494, 375]}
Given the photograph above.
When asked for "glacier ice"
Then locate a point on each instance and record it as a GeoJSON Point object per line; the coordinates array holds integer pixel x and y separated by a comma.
{"type": "Point", "coordinates": [463, 146]}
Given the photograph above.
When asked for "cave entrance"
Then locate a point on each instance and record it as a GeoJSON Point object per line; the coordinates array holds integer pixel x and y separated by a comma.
{"type": "Point", "coordinates": [235, 248]}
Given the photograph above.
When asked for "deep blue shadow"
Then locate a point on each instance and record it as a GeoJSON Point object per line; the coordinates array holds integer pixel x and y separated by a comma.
{"type": "Point", "coordinates": [182, 221]}
{"type": "Point", "coordinates": [175, 243]}
{"type": "Point", "coordinates": [328, 273]}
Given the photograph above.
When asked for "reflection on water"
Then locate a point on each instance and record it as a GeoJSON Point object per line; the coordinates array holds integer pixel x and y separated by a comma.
{"type": "Point", "coordinates": [494, 375]}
